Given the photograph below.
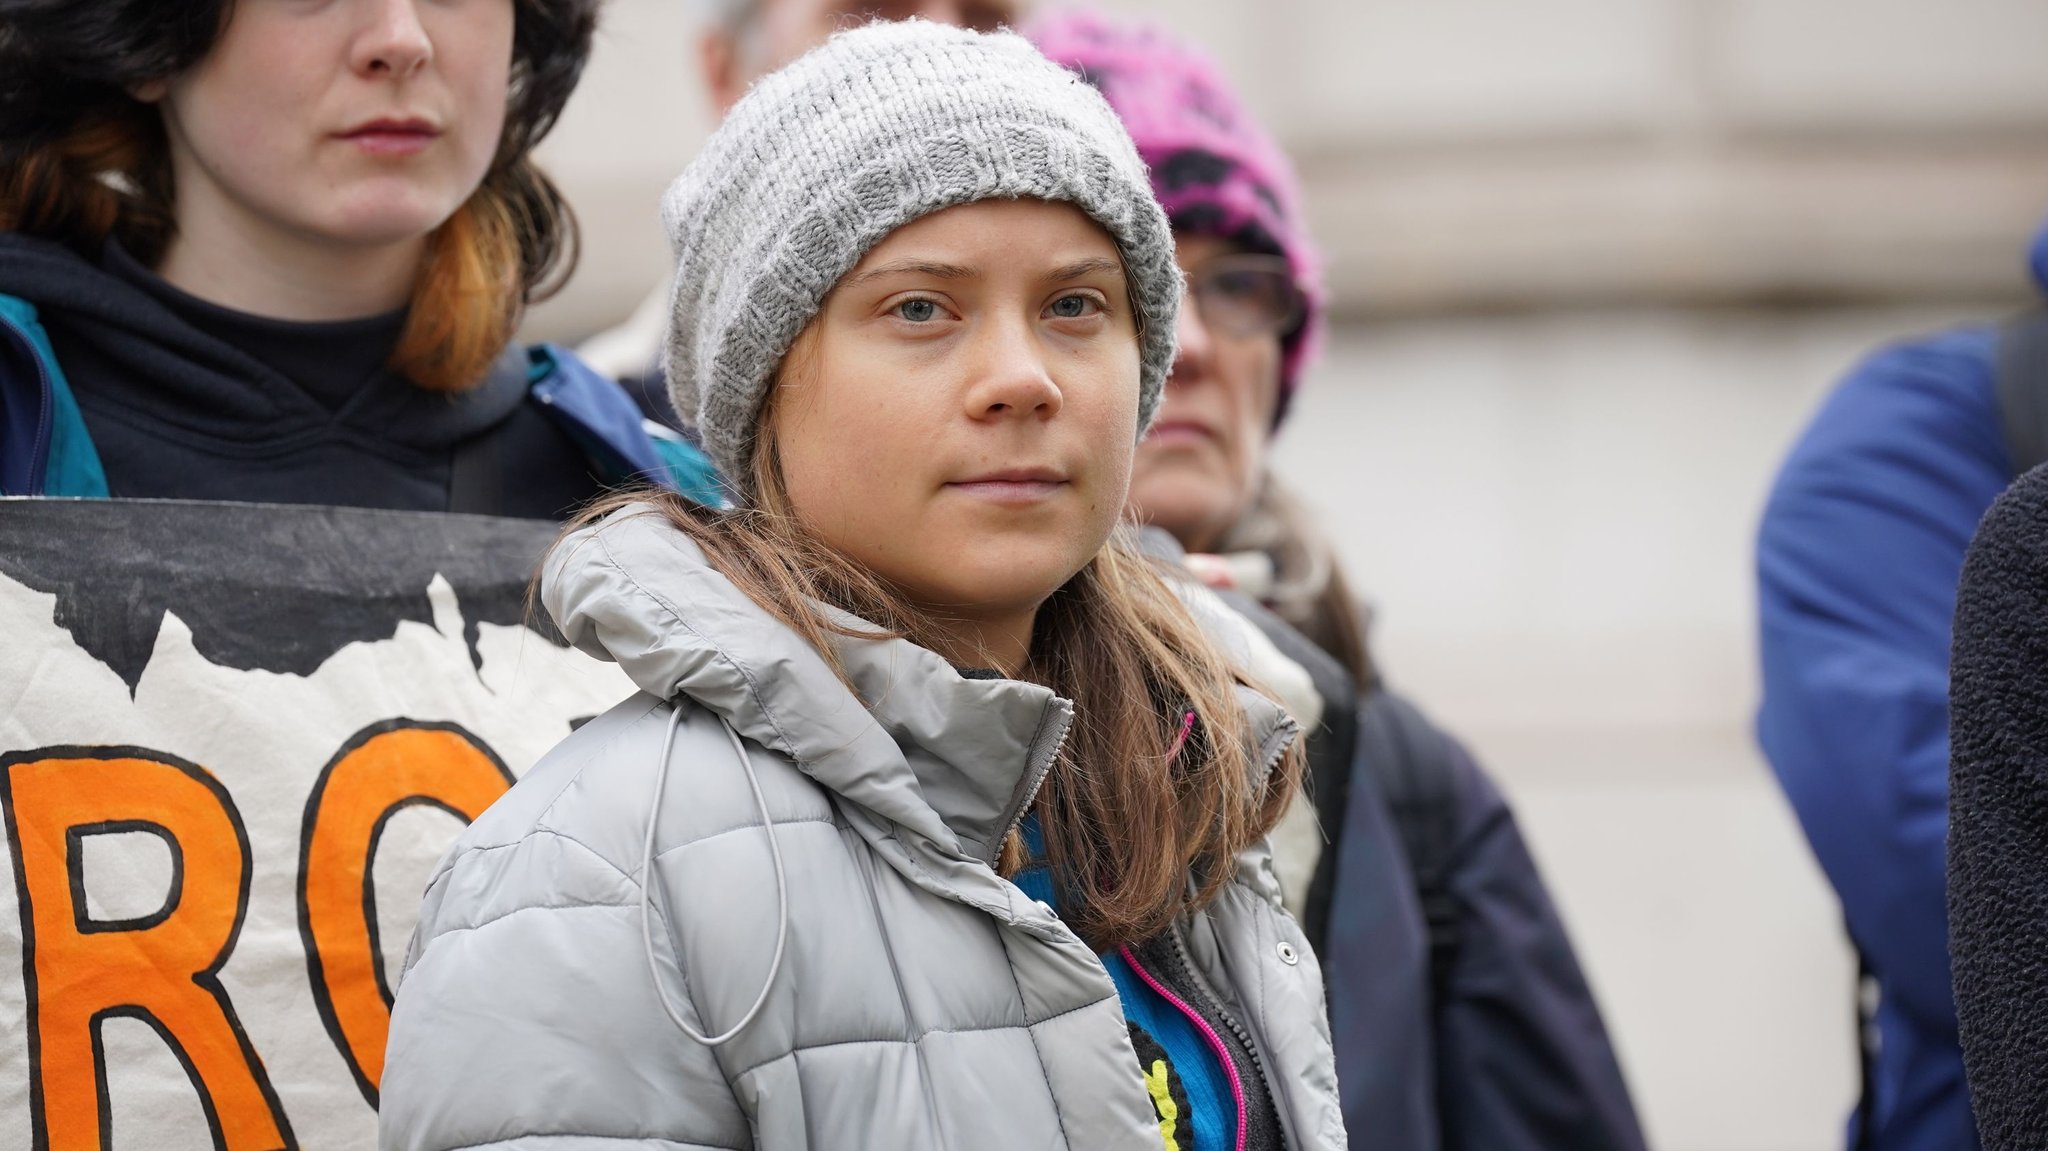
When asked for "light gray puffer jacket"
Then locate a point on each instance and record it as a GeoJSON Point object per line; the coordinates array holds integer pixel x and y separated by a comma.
{"type": "Point", "coordinates": [923, 1003]}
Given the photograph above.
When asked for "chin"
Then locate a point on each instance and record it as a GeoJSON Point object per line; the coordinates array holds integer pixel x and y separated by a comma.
{"type": "Point", "coordinates": [1187, 511]}
{"type": "Point", "coordinates": [389, 219]}
{"type": "Point", "coordinates": [995, 585]}
{"type": "Point", "coordinates": [1009, 588]}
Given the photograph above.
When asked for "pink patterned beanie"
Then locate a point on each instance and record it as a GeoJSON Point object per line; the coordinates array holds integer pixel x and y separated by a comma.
{"type": "Point", "coordinates": [1214, 169]}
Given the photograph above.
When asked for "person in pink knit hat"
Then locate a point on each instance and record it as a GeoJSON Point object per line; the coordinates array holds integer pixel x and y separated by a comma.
{"type": "Point", "coordinates": [1460, 1015]}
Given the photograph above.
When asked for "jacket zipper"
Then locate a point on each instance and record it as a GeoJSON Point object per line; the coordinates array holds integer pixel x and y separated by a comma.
{"type": "Point", "coordinates": [1039, 770]}
{"type": "Point", "coordinates": [1237, 1029]}
{"type": "Point", "coordinates": [1282, 738]}
{"type": "Point", "coordinates": [1209, 1033]}
{"type": "Point", "coordinates": [39, 454]}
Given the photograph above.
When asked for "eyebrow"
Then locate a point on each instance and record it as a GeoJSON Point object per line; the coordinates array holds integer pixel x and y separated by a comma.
{"type": "Point", "coordinates": [916, 267]}
{"type": "Point", "coordinates": [1082, 269]}
{"type": "Point", "coordinates": [1078, 270]}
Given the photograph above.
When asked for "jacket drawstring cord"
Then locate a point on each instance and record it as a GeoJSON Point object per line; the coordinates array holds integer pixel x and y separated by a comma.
{"type": "Point", "coordinates": [647, 882]}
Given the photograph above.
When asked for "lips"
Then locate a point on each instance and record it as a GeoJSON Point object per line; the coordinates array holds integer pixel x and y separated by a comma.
{"type": "Point", "coordinates": [1012, 486]}
{"type": "Point", "coordinates": [1169, 433]}
{"type": "Point", "coordinates": [393, 137]}
{"type": "Point", "coordinates": [1019, 476]}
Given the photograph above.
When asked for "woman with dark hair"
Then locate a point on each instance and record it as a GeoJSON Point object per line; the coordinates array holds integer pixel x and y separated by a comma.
{"type": "Point", "coordinates": [1460, 1016]}
{"type": "Point", "coordinates": [277, 251]}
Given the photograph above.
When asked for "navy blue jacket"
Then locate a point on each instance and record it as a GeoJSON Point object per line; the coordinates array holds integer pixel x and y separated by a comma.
{"type": "Point", "coordinates": [1858, 556]}
{"type": "Point", "coordinates": [1503, 1051]}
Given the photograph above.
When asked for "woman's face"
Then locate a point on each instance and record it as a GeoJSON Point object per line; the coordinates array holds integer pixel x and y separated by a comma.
{"type": "Point", "coordinates": [1199, 465]}
{"type": "Point", "coordinates": [960, 417]}
{"type": "Point", "coordinates": [352, 123]}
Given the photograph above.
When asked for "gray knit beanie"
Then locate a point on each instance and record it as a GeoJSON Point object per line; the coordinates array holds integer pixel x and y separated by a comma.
{"type": "Point", "coordinates": [823, 159]}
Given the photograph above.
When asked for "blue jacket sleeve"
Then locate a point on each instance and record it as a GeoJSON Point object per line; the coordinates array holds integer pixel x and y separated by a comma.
{"type": "Point", "coordinates": [603, 420]}
{"type": "Point", "coordinates": [1860, 548]}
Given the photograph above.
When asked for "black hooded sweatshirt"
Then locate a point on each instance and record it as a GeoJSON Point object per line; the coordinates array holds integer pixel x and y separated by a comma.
{"type": "Point", "coordinates": [188, 400]}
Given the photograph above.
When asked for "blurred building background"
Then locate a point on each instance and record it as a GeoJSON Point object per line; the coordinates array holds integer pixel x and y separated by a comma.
{"type": "Point", "coordinates": [1594, 262]}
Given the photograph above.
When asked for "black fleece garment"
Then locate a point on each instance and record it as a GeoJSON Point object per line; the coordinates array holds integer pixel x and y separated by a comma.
{"type": "Point", "coordinates": [188, 400]}
{"type": "Point", "coordinates": [1998, 817]}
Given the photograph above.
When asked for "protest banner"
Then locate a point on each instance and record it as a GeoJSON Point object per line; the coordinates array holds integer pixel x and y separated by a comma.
{"type": "Point", "coordinates": [234, 740]}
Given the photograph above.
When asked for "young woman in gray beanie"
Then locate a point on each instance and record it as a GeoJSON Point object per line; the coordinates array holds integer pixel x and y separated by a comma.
{"type": "Point", "coordinates": [939, 821]}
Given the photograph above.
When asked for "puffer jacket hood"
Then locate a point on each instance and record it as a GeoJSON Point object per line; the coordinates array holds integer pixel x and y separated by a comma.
{"type": "Point", "coordinates": [975, 749]}
{"type": "Point", "coordinates": [923, 1001]}
{"type": "Point", "coordinates": [950, 758]}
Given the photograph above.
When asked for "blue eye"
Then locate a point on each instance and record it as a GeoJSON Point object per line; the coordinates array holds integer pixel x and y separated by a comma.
{"type": "Point", "coordinates": [1072, 307]}
{"type": "Point", "coordinates": [918, 311]}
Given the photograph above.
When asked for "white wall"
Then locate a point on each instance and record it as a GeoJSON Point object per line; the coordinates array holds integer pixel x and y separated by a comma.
{"type": "Point", "coordinates": [634, 122]}
{"type": "Point", "coordinates": [1463, 154]}
{"type": "Point", "coordinates": [1553, 516]}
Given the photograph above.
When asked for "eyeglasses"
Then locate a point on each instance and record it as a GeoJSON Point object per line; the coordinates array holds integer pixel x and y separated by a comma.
{"type": "Point", "coordinates": [1247, 295]}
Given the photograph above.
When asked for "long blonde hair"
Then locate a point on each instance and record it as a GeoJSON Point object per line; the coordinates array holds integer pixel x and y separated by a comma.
{"type": "Point", "coordinates": [1144, 810]}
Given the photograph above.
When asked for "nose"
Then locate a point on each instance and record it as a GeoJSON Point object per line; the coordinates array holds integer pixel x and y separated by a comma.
{"type": "Point", "coordinates": [1191, 359]}
{"type": "Point", "coordinates": [393, 41]}
{"type": "Point", "coordinates": [1011, 375]}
